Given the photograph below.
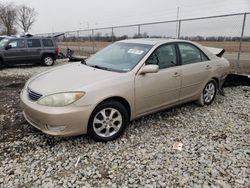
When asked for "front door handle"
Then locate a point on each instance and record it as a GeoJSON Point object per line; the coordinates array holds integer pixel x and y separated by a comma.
{"type": "Point", "coordinates": [176, 74]}
{"type": "Point", "coordinates": [208, 67]}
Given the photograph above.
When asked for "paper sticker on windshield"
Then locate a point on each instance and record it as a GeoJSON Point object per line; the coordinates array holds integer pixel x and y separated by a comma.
{"type": "Point", "coordinates": [135, 51]}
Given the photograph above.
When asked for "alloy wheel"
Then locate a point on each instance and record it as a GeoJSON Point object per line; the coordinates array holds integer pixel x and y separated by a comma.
{"type": "Point", "coordinates": [107, 122]}
{"type": "Point", "coordinates": [209, 92]}
{"type": "Point", "coordinates": [48, 61]}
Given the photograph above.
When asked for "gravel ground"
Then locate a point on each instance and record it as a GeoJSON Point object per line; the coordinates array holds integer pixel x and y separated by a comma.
{"type": "Point", "coordinates": [29, 70]}
{"type": "Point", "coordinates": [215, 152]}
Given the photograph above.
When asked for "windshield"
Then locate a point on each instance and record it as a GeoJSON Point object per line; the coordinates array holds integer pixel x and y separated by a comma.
{"type": "Point", "coordinates": [120, 57]}
{"type": "Point", "coordinates": [3, 42]}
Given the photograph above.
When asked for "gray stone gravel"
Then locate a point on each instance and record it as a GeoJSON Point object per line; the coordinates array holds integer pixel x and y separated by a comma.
{"type": "Point", "coordinates": [215, 153]}
{"type": "Point", "coordinates": [29, 70]}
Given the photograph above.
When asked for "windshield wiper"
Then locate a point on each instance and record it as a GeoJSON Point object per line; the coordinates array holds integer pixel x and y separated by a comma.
{"type": "Point", "coordinates": [99, 67]}
{"type": "Point", "coordinates": [94, 66]}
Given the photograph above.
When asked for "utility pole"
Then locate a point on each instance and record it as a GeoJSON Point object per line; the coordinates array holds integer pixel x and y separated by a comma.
{"type": "Point", "coordinates": [88, 31]}
{"type": "Point", "coordinates": [177, 22]}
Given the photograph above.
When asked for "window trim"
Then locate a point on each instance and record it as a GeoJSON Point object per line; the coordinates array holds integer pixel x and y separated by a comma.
{"type": "Point", "coordinates": [201, 52]}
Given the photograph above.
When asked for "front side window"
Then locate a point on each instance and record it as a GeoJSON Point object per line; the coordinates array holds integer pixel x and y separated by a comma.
{"type": "Point", "coordinates": [164, 56]}
{"type": "Point", "coordinates": [190, 54]}
{"type": "Point", "coordinates": [3, 42]}
{"type": "Point", "coordinates": [33, 43]}
{"type": "Point", "coordinates": [17, 43]}
{"type": "Point", "coordinates": [120, 56]}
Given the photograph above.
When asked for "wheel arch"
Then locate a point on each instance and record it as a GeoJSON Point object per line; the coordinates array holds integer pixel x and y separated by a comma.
{"type": "Point", "coordinates": [122, 100]}
{"type": "Point", "coordinates": [50, 54]}
{"type": "Point", "coordinates": [217, 82]}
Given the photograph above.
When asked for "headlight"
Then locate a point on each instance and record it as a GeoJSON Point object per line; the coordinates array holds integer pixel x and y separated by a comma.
{"type": "Point", "coordinates": [60, 99]}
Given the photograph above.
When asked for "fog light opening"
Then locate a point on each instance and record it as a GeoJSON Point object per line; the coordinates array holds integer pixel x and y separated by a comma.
{"type": "Point", "coordinates": [56, 128]}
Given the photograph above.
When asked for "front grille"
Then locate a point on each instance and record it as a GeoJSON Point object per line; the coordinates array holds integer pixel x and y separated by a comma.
{"type": "Point", "coordinates": [33, 95]}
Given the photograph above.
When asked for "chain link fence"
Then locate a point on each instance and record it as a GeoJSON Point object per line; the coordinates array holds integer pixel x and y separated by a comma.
{"type": "Point", "coordinates": [231, 32]}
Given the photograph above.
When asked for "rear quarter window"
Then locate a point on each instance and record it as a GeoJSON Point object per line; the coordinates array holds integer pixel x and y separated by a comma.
{"type": "Point", "coordinates": [47, 43]}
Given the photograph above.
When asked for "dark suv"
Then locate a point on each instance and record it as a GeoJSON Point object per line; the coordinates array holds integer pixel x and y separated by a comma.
{"type": "Point", "coordinates": [15, 50]}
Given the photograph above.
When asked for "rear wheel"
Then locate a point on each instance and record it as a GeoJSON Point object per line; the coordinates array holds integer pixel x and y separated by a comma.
{"type": "Point", "coordinates": [108, 121]}
{"type": "Point", "coordinates": [208, 94]}
{"type": "Point", "coordinates": [48, 60]}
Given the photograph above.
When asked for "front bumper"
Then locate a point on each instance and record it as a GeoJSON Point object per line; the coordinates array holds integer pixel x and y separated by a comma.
{"type": "Point", "coordinates": [72, 119]}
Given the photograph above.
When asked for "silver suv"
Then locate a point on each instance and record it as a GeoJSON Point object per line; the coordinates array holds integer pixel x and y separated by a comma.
{"type": "Point", "coordinates": [14, 50]}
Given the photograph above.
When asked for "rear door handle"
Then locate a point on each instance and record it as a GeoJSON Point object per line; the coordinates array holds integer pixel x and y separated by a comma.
{"type": "Point", "coordinates": [176, 74]}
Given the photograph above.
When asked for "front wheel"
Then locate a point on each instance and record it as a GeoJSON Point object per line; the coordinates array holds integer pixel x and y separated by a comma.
{"type": "Point", "coordinates": [48, 60]}
{"type": "Point", "coordinates": [108, 121]}
{"type": "Point", "coordinates": [208, 94]}
{"type": "Point", "coordinates": [1, 64]}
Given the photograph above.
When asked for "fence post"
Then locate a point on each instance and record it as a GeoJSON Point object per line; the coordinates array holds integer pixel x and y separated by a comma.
{"type": "Point", "coordinates": [139, 31]}
{"type": "Point", "coordinates": [78, 38]}
{"type": "Point", "coordinates": [179, 29]}
{"type": "Point", "coordinates": [241, 40]}
{"type": "Point", "coordinates": [112, 33]}
{"type": "Point", "coordinates": [93, 44]}
{"type": "Point", "coordinates": [67, 41]}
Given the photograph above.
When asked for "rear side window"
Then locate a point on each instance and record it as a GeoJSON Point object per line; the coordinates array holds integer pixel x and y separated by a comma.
{"type": "Point", "coordinates": [47, 43]}
{"type": "Point", "coordinates": [33, 43]}
{"type": "Point", "coordinates": [191, 54]}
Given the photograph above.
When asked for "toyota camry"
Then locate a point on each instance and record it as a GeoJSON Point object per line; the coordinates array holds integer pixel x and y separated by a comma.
{"type": "Point", "coordinates": [124, 81]}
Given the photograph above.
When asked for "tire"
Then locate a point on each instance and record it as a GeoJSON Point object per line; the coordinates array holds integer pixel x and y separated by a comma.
{"type": "Point", "coordinates": [1, 64]}
{"type": "Point", "coordinates": [208, 94]}
{"type": "Point", "coordinates": [102, 127]}
{"type": "Point", "coordinates": [48, 60]}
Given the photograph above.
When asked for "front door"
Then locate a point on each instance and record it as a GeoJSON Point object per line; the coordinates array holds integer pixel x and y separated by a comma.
{"type": "Point", "coordinates": [17, 52]}
{"type": "Point", "coordinates": [156, 90]}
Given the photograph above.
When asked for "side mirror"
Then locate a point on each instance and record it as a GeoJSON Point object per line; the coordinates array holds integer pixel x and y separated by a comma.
{"type": "Point", "coordinates": [8, 47]}
{"type": "Point", "coordinates": [149, 69]}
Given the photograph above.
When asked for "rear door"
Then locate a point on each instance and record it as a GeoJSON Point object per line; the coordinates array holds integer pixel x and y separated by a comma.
{"type": "Point", "coordinates": [34, 49]}
{"type": "Point", "coordinates": [156, 90]}
{"type": "Point", "coordinates": [196, 70]}
{"type": "Point", "coordinates": [17, 52]}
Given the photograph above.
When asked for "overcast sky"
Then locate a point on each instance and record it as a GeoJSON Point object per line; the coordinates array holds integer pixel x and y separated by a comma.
{"type": "Point", "coordinates": [63, 15]}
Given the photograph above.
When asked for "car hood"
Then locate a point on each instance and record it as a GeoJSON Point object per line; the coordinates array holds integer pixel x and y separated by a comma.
{"type": "Point", "coordinates": [74, 77]}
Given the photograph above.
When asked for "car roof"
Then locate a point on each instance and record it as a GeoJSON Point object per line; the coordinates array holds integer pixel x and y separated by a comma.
{"type": "Point", "coordinates": [21, 37]}
{"type": "Point", "coordinates": [151, 41]}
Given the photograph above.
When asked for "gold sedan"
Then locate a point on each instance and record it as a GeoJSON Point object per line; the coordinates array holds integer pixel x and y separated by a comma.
{"type": "Point", "coordinates": [124, 81]}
